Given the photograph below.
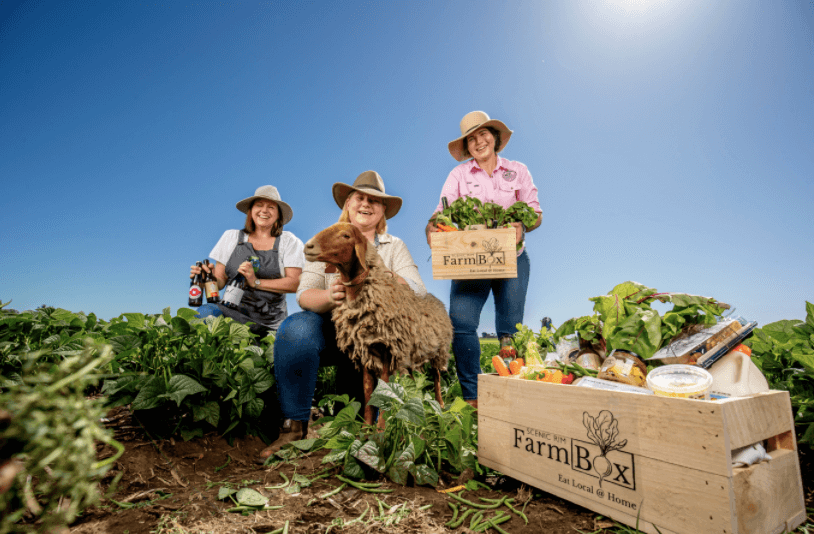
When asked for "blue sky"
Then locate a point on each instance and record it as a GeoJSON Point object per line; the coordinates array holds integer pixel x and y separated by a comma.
{"type": "Point", "coordinates": [672, 142]}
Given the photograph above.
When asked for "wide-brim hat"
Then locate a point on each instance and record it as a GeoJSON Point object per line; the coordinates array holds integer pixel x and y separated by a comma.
{"type": "Point", "coordinates": [471, 122]}
{"type": "Point", "coordinates": [269, 192]}
{"type": "Point", "coordinates": [370, 183]}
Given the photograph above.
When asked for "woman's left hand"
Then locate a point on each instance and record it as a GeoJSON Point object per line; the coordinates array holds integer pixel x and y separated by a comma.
{"type": "Point", "coordinates": [520, 231]}
{"type": "Point", "coordinates": [247, 270]}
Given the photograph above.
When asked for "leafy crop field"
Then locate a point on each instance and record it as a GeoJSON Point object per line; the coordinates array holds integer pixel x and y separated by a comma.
{"type": "Point", "coordinates": [152, 423]}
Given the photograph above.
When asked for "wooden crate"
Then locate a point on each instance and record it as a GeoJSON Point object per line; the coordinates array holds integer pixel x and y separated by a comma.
{"type": "Point", "coordinates": [474, 254]}
{"type": "Point", "coordinates": [672, 468]}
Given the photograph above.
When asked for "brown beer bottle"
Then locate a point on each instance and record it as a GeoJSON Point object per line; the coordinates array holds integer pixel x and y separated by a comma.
{"type": "Point", "coordinates": [211, 285]}
{"type": "Point", "coordinates": [196, 289]}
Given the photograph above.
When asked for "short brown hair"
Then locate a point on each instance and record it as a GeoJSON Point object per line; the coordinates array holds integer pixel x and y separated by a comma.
{"type": "Point", "coordinates": [495, 133]}
{"type": "Point", "coordinates": [381, 227]}
{"type": "Point", "coordinates": [276, 228]}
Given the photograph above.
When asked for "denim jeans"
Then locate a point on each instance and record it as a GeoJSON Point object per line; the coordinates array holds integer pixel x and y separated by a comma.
{"type": "Point", "coordinates": [306, 341]}
{"type": "Point", "coordinates": [466, 300]}
{"type": "Point", "coordinates": [208, 310]}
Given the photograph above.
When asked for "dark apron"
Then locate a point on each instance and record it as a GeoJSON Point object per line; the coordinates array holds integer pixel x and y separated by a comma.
{"type": "Point", "coordinates": [264, 308]}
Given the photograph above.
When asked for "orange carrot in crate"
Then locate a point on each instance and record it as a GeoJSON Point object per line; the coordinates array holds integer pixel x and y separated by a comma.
{"type": "Point", "coordinates": [515, 366]}
{"type": "Point", "coordinates": [500, 367]}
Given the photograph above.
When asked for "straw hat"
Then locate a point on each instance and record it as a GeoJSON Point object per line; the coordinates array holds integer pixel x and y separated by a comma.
{"type": "Point", "coordinates": [471, 122]}
{"type": "Point", "coordinates": [269, 192]}
{"type": "Point", "coordinates": [369, 182]}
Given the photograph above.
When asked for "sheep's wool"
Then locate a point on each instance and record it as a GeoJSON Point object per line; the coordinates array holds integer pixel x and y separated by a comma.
{"type": "Point", "coordinates": [388, 325]}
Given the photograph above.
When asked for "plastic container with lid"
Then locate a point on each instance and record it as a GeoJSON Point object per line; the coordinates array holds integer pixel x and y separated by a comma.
{"type": "Point", "coordinates": [623, 366]}
{"type": "Point", "coordinates": [678, 380]}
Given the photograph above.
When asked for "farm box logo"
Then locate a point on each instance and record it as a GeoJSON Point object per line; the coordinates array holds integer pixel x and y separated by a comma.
{"type": "Point", "coordinates": [490, 254]}
{"type": "Point", "coordinates": [600, 456]}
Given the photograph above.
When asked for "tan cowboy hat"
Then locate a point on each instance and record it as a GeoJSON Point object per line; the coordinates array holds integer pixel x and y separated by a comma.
{"type": "Point", "coordinates": [371, 183]}
{"type": "Point", "coordinates": [473, 121]}
{"type": "Point", "coordinates": [269, 192]}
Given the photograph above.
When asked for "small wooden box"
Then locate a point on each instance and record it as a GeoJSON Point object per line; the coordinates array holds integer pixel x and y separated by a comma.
{"type": "Point", "coordinates": [474, 254]}
{"type": "Point", "coordinates": [667, 463]}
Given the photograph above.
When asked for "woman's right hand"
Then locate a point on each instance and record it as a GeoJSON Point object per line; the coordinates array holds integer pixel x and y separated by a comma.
{"type": "Point", "coordinates": [336, 293]}
{"type": "Point", "coordinates": [194, 269]}
{"type": "Point", "coordinates": [430, 229]}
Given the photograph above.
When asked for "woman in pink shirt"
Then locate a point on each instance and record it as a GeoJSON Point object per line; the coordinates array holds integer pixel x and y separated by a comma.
{"type": "Point", "coordinates": [489, 178]}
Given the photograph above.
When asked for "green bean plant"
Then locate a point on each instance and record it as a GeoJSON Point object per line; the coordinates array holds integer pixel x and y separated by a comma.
{"type": "Point", "coordinates": [53, 333]}
{"type": "Point", "coordinates": [48, 442]}
{"type": "Point", "coordinates": [208, 373]}
{"type": "Point", "coordinates": [420, 440]}
{"type": "Point", "coordinates": [784, 352]}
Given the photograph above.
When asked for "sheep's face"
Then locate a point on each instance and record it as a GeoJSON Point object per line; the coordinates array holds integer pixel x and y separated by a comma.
{"type": "Point", "coordinates": [342, 245]}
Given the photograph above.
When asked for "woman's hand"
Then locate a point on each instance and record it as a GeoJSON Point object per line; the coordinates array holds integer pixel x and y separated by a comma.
{"type": "Point", "coordinates": [194, 269]}
{"type": "Point", "coordinates": [430, 229]}
{"type": "Point", "coordinates": [247, 270]}
{"type": "Point", "coordinates": [520, 231]}
{"type": "Point", "coordinates": [336, 293]}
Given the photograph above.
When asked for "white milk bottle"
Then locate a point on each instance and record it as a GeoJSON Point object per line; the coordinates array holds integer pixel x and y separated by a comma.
{"type": "Point", "coordinates": [735, 375]}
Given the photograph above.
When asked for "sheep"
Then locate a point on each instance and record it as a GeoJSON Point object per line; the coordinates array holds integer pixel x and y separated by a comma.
{"type": "Point", "coordinates": [382, 325]}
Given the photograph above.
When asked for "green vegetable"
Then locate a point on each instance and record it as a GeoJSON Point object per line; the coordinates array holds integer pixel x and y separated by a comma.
{"type": "Point", "coordinates": [334, 491]}
{"type": "Point", "coordinates": [624, 319]}
{"type": "Point", "coordinates": [53, 429]}
{"type": "Point", "coordinates": [784, 352]}
{"type": "Point", "coordinates": [364, 487]}
{"type": "Point", "coordinates": [466, 211]}
{"type": "Point", "coordinates": [454, 514]}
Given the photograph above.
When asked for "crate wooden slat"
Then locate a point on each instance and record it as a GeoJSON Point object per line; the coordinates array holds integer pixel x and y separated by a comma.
{"type": "Point", "coordinates": [474, 254]}
{"type": "Point", "coordinates": [674, 471]}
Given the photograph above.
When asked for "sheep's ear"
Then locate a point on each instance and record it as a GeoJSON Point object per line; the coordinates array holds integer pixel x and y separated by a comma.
{"type": "Point", "coordinates": [360, 249]}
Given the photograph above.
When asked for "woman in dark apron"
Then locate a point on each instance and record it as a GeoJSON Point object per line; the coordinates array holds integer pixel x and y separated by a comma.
{"type": "Point", "coordinates": [269, 258]}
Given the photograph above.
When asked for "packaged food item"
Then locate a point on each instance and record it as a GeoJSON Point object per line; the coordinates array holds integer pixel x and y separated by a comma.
{"type": "Point", "coordinates": [597, 383]}
{"type": "Point", "coordinates": [701, 345]}
{"type": "Point", "coordinates": [507, 350]}
{"type": "Point", "coordinates": [565, 347]}
{"type": "Point", "coordinates": [679, 380]}
{"type": "Point", "coordinates": [625, 367]}
{"type": "Point", "coordinates": [586, 358]}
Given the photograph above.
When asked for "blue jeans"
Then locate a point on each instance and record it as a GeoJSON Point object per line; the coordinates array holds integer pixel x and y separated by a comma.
{"type": "Point", "coordinates": [305, 341]}
{"type": "Point", "coordinates": [208, 310]}
{"type": "Point", "coordinates": [466, 300]}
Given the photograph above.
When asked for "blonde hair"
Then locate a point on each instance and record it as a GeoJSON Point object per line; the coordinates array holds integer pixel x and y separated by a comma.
{"type": "Point", "coordinates": [381, 227]}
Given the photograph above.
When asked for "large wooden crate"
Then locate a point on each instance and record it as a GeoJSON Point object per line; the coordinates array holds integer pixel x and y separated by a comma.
{"type": "Point", "coordinates": [474, 254]}
{"type": "Point", "coordinates": [672, 466]}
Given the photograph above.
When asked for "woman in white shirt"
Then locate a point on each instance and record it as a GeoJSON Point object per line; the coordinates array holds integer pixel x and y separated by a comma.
{"type": "Point", "coordinates": [307, 340]}
{"type": "Point", "coordinates": [278, 262]}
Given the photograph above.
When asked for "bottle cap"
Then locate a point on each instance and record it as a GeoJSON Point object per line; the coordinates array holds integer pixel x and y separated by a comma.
{"type": "Point", "coordinates": [743, 348]}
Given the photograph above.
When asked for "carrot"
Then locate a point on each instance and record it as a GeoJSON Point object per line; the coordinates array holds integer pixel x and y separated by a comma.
{"type": "Point", "coordinates": [500, 367]}
{"type": "Point", "coordinates": [444, 228]}
{"type": "Point", "coordinates": [515, 366]}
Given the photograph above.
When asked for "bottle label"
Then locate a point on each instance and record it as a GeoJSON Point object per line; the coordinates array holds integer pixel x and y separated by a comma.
{"type": "Point", "coordinates": [194, 292]}
{"type": "Point", "coordinates": [233, 295]}
{"type": "Point", "coordinates": [255, 261]}
{"type": "Point", "coordinates": [211, 289]}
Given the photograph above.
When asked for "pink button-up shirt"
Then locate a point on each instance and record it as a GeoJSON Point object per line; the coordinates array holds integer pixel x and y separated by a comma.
{"type": "Point", "coordinates": [510, 182]}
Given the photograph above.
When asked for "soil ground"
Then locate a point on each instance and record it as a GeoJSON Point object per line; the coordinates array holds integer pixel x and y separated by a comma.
{"type": "Point", "coordinates": [171, 487]}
